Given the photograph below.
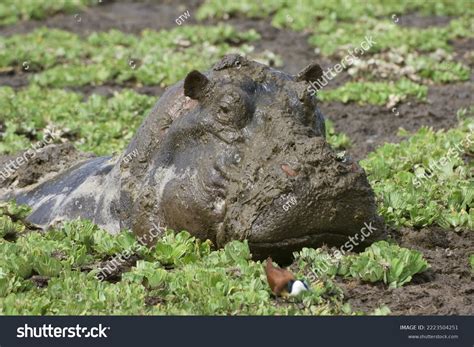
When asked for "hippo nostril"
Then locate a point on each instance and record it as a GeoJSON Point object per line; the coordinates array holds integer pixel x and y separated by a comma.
{"type": "Point", "coordinates": [225, 108]}
{"type": "Point", "coordinates": [288, 170]}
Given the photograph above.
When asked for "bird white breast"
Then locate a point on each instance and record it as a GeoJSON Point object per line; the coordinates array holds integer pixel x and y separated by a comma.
{"type": "Point", "coordinates": [297, 288]}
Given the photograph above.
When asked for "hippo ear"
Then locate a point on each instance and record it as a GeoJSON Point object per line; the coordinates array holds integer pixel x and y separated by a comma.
{"type": "Point", "coordinates": [195, 85]}
{"type": "Point", "coordinates": [310, 73]}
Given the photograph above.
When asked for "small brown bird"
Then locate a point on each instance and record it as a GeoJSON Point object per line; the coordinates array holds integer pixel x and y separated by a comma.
{"type": "Point", "coordinates": [282, 282]}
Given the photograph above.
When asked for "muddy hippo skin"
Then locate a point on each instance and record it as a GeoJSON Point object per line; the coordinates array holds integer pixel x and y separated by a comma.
{"type": "Point", "coordinates": [236, 153]}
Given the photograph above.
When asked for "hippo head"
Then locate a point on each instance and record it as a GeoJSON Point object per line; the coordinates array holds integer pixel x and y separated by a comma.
{"type": "Point", "coordinates": [240, 153]}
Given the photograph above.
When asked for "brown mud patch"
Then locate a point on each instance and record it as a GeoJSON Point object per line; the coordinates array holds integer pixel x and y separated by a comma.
{"type": "Point", "coordinates": [112, 269]}
{"type": "Point", "coordinates": [14, 79]}
{"type": "Point", "coordinates": [370, 126]}
{"type": "Point", "coordinates": [292, 47]}
{"type": "Point", "coordinates": [20, 80]}
{"type": "Point", "coordinates": [50, 159]}
{"type": "Point", "coordinates": [109, 90]}
{"type": "Point", "coordinates": [444, 289]}
{"type": "Point", "coordinates": [39, 281]}
{"type": "Point", "coordinates": [416, 20]}
{"type": "Point", "coordinates": [464, 52]}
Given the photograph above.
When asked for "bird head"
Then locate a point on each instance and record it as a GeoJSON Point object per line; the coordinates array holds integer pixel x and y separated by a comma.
{"type": "Point", "coordinates": [294, 288]}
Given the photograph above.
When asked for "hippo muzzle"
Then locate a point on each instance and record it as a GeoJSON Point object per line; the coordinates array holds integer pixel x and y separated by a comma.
{"type": "Point", "coordinates": [302, 195]}
{"type": "Point", "coordinates": [236, 153]}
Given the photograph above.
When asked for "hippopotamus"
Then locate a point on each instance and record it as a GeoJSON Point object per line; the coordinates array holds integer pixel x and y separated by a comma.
{"type": "Point", "coordinates": [235, 153]}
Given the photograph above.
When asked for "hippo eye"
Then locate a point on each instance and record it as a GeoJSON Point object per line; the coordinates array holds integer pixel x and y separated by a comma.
{"type": "Point", "coordinates": [234, 109]}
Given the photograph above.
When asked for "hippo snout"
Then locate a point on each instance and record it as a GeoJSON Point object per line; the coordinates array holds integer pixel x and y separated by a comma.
{"type": "Point", "coordinates": [304, 196]}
